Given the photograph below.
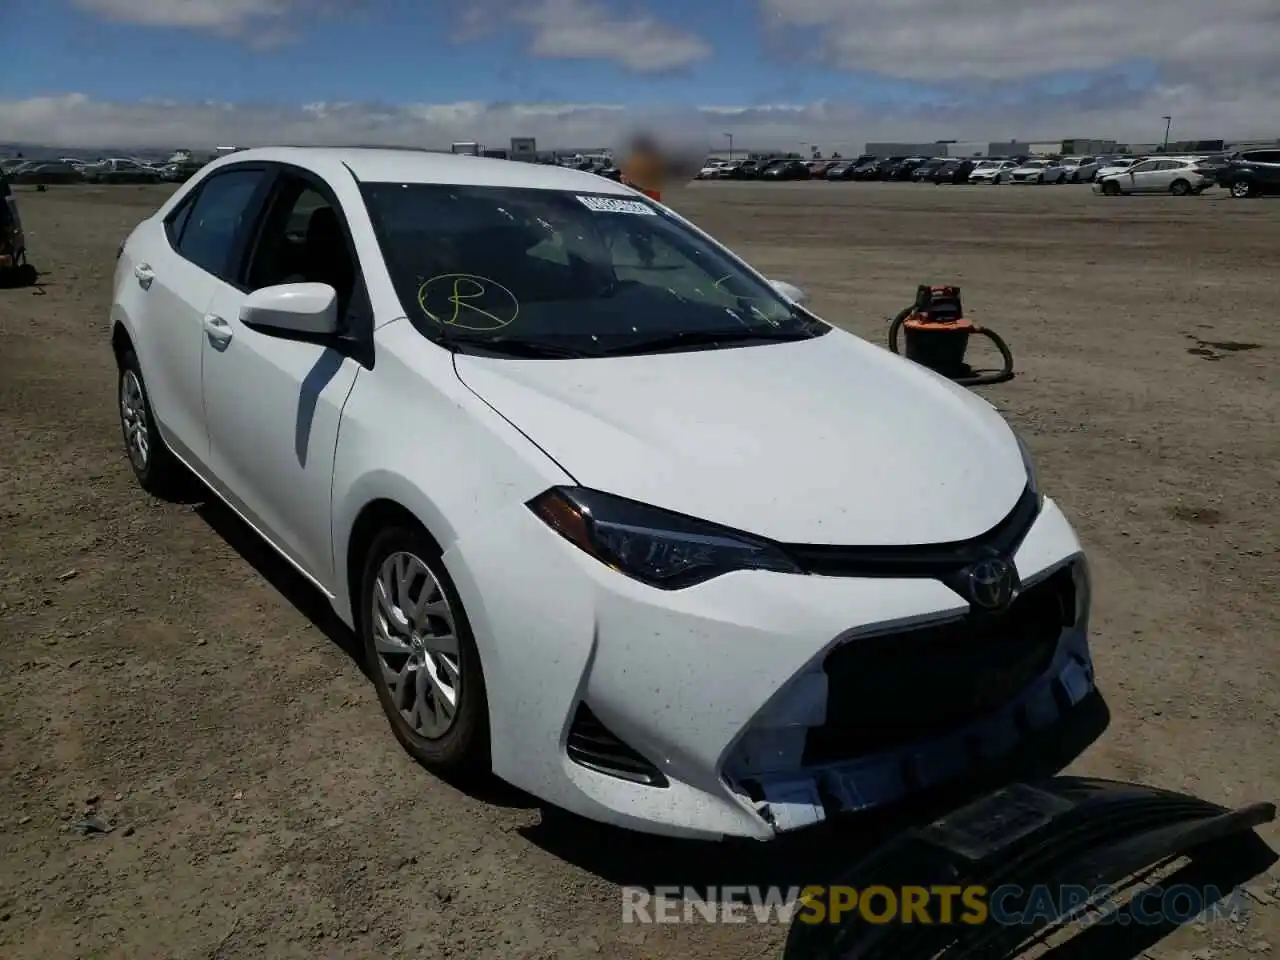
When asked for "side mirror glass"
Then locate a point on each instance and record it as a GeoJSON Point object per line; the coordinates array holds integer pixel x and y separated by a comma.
{"type": "Point", "coordinates": [790, 291]}
{"type": "Point", "coordinates": [293, 308]}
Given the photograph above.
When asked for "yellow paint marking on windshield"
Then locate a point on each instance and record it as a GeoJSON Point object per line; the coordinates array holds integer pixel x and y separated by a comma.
{"type": "Point", "coordinates": [465, 293]}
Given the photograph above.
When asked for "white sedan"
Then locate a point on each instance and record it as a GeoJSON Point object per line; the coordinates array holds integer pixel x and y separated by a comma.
{"type": "Point", "coordinates": [1038, 171]}
{"type": "Point", "coordinates": [992, 171]}
{"type": "Point", "coordinates": [614, 517]}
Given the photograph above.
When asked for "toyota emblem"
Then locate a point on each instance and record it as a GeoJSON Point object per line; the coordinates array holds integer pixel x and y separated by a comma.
{"type": "Point", "coordinates": [991, 584]}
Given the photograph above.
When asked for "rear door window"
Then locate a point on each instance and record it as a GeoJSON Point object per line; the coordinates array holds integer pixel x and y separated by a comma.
{"type": "Point", "coordinates": [210, 231]}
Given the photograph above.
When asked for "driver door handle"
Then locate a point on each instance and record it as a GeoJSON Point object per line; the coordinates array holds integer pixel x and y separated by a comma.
{"type": "Point", "coordinates": [144, 275]}
{"type": "Point", "coordinates": [217, 330]}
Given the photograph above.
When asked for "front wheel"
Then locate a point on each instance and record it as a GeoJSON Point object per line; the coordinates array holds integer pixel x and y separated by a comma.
{"type": "Point", "coordinates": [1111, 189]}
{"type": "Point", "coordinates": [1241, 189]}
{"type": "Point", "coordinates": [422, 654]}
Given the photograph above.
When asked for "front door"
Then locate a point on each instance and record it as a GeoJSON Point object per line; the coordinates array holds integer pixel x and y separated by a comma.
{"type": "Point", "coordinates": [274, 402]}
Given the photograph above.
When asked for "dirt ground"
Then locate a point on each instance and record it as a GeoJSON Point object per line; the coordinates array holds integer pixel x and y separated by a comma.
{"type": "Point", "coordinates": [159, 669]}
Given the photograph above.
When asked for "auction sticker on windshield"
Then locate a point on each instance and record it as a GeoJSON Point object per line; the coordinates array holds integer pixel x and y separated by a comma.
{"type": "Point", "coordinates": [610, 205]}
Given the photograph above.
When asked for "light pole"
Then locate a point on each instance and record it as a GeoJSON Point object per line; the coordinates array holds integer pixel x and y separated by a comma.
{"type": "Point", "coordinates": [730, 136]}
{"type": "Point", "coordinates": [1168, 122]}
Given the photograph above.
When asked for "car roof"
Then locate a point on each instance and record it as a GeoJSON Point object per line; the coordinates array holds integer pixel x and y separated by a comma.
{"type": "Point", "coordinates": [381, 165]}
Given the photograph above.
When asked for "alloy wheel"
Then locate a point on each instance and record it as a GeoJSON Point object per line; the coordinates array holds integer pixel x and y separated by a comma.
{"type": "Point", "coordinates": [415, 637]}
{"type": "Point", "coordinates": [133, 419]}
{"type": "Point", "coordinates": [1240, 189]}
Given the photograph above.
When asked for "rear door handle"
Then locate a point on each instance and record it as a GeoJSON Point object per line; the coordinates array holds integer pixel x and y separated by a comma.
{"type": "Point", "coordinates": [144, 274]}
{"type": "Point", "coordinates": [218, 331]}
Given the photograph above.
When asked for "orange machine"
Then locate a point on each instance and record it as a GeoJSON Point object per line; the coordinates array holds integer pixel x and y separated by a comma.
{"type": "Point", "coordinates": [937, 336]}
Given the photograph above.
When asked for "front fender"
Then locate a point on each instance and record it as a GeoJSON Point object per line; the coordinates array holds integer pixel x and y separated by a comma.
{"type": "Point", "coordinates": [414, 434]}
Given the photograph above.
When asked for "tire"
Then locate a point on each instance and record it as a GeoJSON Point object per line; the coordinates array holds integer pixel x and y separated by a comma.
{"type": "Point", "coordinates": [1111, 189]}
{"type": "Point", "coordinates": [1040, 180]}
{"type": "Point", "coordinates": [444, 741]}
{"type": "Point", "coordinates": [1180, 188]}
{"type": "Point", "coordinates": [1240, 189]}
{"type": "Point", "coordinates": [157, 470]}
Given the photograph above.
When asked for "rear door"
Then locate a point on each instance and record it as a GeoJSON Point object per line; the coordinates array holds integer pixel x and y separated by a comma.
{"type": "Point", "coordinates": [166, 290]}
{"type": "Point", "coordinates": [1266, 168]}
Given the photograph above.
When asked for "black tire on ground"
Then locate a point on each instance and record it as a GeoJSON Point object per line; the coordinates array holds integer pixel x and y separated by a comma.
{"type": "Point", "coordinates": [1180, 188]}
{"type": "Point", "coordinates": [27, 275]}
{"type": "Point", "coordinates": [464, 747]}
{"type": "Point", "coordinates": [1241, 189]}
{"type": "Point", "coordinates": [159, 473]}
{"type": "Point", "coordinates": [1111, 188]}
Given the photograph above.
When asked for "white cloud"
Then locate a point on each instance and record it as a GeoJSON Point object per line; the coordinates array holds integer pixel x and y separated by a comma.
{"type": "Point", "coordinates": [557, 29]}
{"type": "Point", "coordinates": [1219, 44]}
{"type": "Point", "coordinates": [81, 121]}
{"type": "Point", "coordinates": [587, 30]}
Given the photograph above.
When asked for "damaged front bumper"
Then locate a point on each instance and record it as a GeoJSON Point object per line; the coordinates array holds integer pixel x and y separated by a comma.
{"type": "Point", "coordinates": [932, 705]}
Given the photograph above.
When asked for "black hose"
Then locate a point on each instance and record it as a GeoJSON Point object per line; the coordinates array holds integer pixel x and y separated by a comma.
{"type": "Point", "coordinates": [1002, 375]}
{"type": "Point", "coordinates": [996, 376]}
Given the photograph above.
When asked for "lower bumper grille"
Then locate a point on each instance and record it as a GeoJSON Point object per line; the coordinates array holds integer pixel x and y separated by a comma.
{"type": "Point", "coordinates": [593, 746]}
{"type": "Point", "coordinates": [893, 690]}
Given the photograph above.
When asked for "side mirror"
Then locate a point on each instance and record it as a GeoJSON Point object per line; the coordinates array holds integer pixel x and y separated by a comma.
{"type": "Point", "coordinates": [292, 307]}
{"type": "Point", "coordinates": [790, 291]}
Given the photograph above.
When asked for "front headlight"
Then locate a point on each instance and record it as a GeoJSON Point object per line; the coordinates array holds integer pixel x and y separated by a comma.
{"type": "Point", "coordinates": [1032, 480]}
{"type": "Point", "coordinates": [659, 548]}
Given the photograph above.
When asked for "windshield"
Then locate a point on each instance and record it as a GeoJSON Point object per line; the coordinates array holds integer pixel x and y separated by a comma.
{"type": "Point", "coordinates": [580, 273]}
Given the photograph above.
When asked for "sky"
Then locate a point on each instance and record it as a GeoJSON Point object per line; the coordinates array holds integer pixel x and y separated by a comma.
{"type": "Point", "coordinates": [579, 73]}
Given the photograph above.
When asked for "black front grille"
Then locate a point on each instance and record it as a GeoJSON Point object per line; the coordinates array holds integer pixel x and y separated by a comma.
{"type": "Point", "coordinates": [896, 689]}
{"type": "Point", "coordinates": [594, 747]}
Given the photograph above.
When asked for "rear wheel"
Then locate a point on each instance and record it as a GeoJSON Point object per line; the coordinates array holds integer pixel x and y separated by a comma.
{"type": "Point", "coordinates": [1180, 188]}
{"type": "Point", "coordinates": [158, 471]}
{"type": "Point", "coordinates": [1241, 189]}
{"type": "Point", "coordinates": [422, 654]}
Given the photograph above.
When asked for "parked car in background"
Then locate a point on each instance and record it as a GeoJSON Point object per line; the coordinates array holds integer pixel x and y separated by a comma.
{"type": "Point", "coordinates": [924, 172]}
{"type": "Point", "coordinates": [1115, 165]}
{"type": "Point", "coordinates": [1080, 169]}
{"type": "Point", "coordinates": [710, 171]}
{"type": "Point", "coordinates": [120, 170]}
{"type": "Point", "coordinates": [992, 171]}
{"type": "Point", "coordinates": [1038, 171]}
{"type": "Point", "coordinates": [903, 169]}
{"type": "Point", "coordinates": [44, 172]}
{"type": "Point", "coordinates": [841, 170]}
{"type": "Point", "coordinates": [953, 171]}
{"type": "Point", "coordinates": [1165, 175]}
{"type": "Point", "coordinates": [787, 170]}
{"type": "Point", "coordinates": [818, 168]}
{"type": "Point", "coordinates": [1250, 173]}
{"type": "Point", "coordinates": [875, 169]}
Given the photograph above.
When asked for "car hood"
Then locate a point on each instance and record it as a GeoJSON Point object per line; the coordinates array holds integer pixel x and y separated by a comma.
{"type": "Point", "coordinates": [823, 441]}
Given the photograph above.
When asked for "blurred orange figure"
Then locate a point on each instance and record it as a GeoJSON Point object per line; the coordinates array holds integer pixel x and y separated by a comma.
{"type": "Point", "coordinates": [643, 168]}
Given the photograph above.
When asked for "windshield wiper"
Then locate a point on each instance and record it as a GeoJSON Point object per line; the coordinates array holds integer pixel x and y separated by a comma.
{"type": "Point", "coordinates": [711, 338]}
{"type": "Point", "coordinates": [517, 347]}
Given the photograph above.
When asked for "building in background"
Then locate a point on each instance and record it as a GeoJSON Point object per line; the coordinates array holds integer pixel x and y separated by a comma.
{"type": "Point", "coordinates": [905, 149]}
{"type": "Point", "coordinates": [524, 148]}
{"type": "Point", "coordinates": [1081, 147]}
{"type": "Point", "coordinates": [967, 148]}
{"type": "Point", "coordinates": [466, 147]}
{"type": "Point", "coordinates": [1008, 148]}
